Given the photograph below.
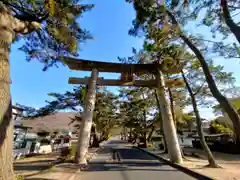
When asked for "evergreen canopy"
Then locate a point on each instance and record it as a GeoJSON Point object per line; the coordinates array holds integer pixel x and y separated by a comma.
{"type": "Point", "coordinates": [60, 34]}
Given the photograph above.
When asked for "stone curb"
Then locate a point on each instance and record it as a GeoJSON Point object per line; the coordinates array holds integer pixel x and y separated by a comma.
{"type": "Point", "coordinates": [188, 171]}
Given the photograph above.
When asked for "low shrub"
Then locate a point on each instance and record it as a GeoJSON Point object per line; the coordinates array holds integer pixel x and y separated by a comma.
{"type": "Point", "coordinates": [149, 145]}
{"type": "Point", "coordinates": [19, 177]}
{"type": "Point", "coordinates": [73, 149]}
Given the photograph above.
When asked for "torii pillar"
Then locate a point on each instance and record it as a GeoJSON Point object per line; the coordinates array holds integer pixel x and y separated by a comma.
{"type": "Point", "coordinates": [85, 128]}
{"type": "Point", "coordinates": [169, 130]}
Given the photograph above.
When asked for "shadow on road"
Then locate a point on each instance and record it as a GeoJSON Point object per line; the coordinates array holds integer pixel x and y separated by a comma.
{"type": "Point", "coordinates": [134, 154]}
{"type": "Point", "coordinates": [128, 166]}
{"type": "Point", "coordinates": [127, 159]}
{"type": "Point", "coordinates": [117, 142]}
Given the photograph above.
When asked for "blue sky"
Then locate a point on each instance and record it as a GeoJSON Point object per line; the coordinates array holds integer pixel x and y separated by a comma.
{"type": "Point", "coordinates": [108, 22]}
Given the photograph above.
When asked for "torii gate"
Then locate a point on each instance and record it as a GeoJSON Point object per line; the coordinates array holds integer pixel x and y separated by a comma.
{"type": "Point", "coordinates": [127, 72]}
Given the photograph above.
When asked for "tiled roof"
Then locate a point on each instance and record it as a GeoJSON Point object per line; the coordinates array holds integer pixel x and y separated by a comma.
{"type": "Point", "coordinates": [58, 121]}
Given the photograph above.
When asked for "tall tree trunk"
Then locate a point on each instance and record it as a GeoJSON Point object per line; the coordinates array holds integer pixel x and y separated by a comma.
{"type": "Point", "coordinates": [172, 105]}
{"type": "Point", "coordinates": [161, 121]}
{"type": "Point", "coordinates": [6, 122]}
{"type": "Point", "coordinates": [150, 133]}
{"type": "Point", "coordinates": [124, 133]}
{"type": "Point", "coordinates": [223, 101]}
{"type": "Point", "coordinates": [145, 123]}
{"type": "Point", "coordinates": [130, 132]}
{"type": "Point", "coordinates": [229, 21]}
{"type": "Point", "coordinates": [173, 113]}
{"type": "Point", "coordinates": [95, 142]}
{"type": "Point", "coordinates": [169, 129]}
{"type": "Point", "coordinates": [145, 128]}
{"type": "Point", "coordinates": [9, 27]}
{"type": "Point", "coordinates": [85, 129]}
{"type": "Point", "coordinates": [189, 124]}
{"type": "Point", "coordinates": [211, 160]}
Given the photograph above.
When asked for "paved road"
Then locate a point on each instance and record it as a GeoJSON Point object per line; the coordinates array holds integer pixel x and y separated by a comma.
{"type": "Point", "coordinates": [134, 165]}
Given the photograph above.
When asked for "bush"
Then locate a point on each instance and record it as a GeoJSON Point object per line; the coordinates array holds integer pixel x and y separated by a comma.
{"type": "Point", "coordinates": [149, 145]}
{"type": "Point", "coordinates": [19, 177]}
{"type": "Point", "coordinates": [216, 128]}
{"type": "Point", "coordinates": [73, 149]}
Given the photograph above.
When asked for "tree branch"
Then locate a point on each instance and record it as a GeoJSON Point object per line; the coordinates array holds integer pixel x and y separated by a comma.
{"type": "Point", "coordinates": [25, 27]}
{"type": "Point", "coordinates": [199, 89]}
{"type": "Point", "coordinates": [26, 16]}
{"type": "Point", "coordinates": [229, 21]}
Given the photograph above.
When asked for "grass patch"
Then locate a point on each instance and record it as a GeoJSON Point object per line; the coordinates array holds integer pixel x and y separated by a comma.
{"type": "Point", "coordinates": [73, 148]}
{"type": "Point", "coordinates": [19, 177]}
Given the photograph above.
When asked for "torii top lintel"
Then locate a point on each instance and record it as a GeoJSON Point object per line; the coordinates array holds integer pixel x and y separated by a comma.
{"type": "Point", "coordinates": [87, 65]}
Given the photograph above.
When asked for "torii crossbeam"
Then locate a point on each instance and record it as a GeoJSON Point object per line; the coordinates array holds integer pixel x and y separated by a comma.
{"type": "Point", "coordinates": [138, 83]}
{"type": "Point", "coordinates": [88, 65]}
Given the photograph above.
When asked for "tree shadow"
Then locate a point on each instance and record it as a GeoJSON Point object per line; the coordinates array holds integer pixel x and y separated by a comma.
{"type": "Point", "coordinates": [33, 166]}
{"type": "Point", "coordinates": [29, 167]}
{"type": "Point", "coordinates": [134, 154]}
{"type": "Point", "coordinates": [128, 166]}
{"type": "Point", "coordinates": [34, 162]}
{"type": "Point", "coordinates": [117, 142]}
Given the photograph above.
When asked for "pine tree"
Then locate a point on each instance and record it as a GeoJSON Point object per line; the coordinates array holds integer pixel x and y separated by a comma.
{"type": "Point", "coordinates": [50, 30]}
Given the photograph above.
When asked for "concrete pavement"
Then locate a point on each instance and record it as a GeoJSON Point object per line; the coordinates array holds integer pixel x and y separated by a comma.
{"type": "Point", "coordinates": [134, 165]}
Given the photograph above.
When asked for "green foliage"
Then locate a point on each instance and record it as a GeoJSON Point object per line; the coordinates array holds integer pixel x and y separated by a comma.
{"type": "Point", "coordinates": [196, 79]}
{"type": "Point", "coordinates": [185, 121]}
{"type": "Point", "coordinates": [71, 100]}
{"type": "Point", "coordinates": [73, 149]}
{"type": "Point", "coordinates": [235, 102]}
{"type": "Point", "coordinates": [104, 117]}
{"type": "Point", "coordinates": [213, 17]}
{"type": "Point", "coordinates": [210, 14]}
{"type": "Point", "coordinates": [216, 127]}
{"type": "Point", "coordinates": [163, 41]}
{"type": "Point", "coordinates": [61, 32]}
{"type": "Point", "coordinates": [19, 177]}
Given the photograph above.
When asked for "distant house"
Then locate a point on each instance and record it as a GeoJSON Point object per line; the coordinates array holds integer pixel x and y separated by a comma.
{"type": "Point", "coordinates": [20, 145]}
{"type": "Point", "coordinates": [16, 112]}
